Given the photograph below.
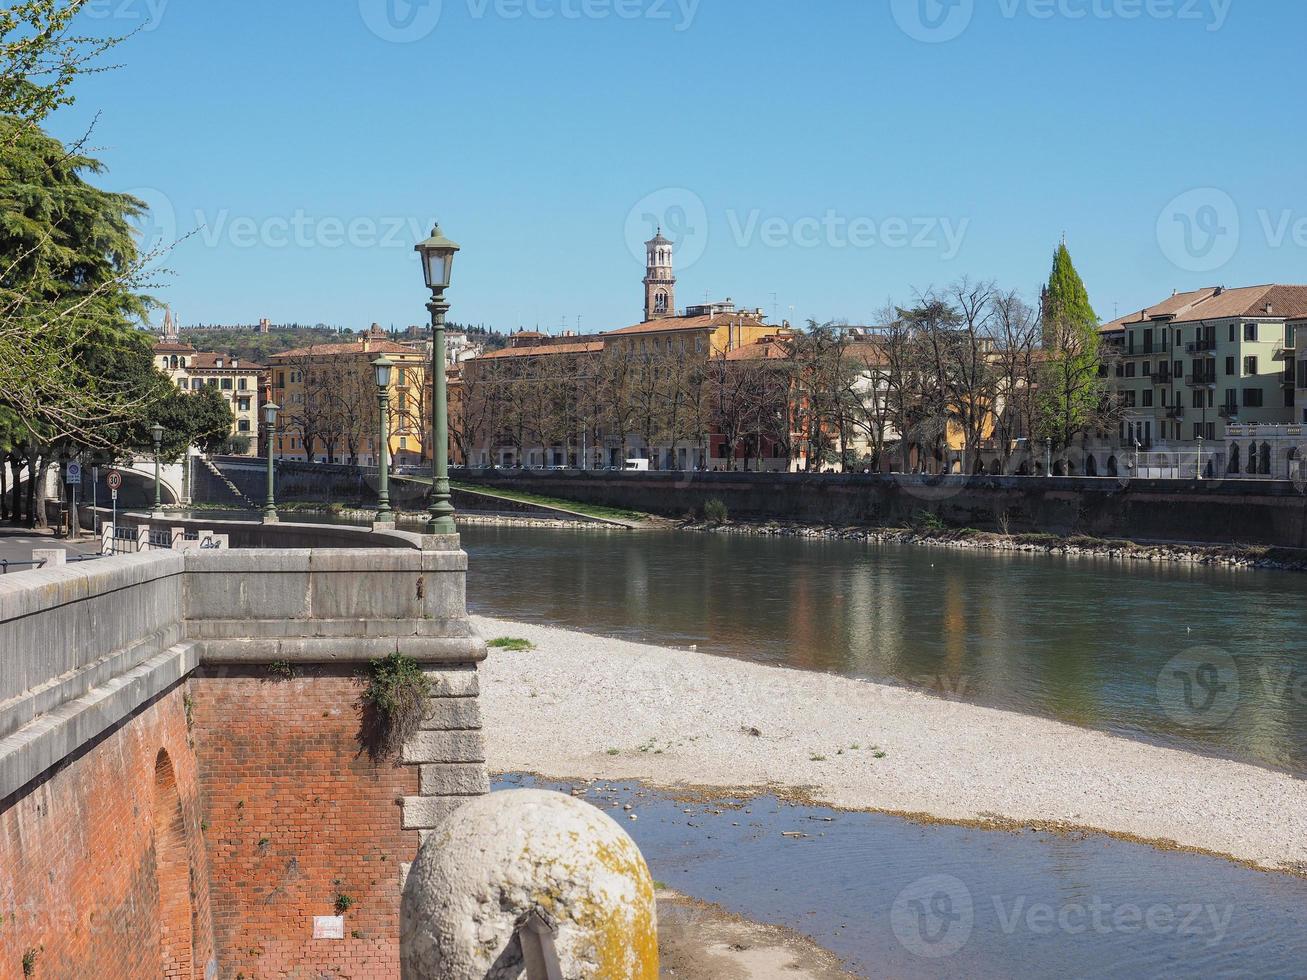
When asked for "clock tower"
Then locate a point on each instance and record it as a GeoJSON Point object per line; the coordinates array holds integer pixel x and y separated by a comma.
{"type": "Point", "coordinates": [659, 281]}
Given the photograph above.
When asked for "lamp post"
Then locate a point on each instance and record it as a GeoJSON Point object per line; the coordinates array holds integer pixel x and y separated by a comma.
{"type": "Point", "coordinates": [437, 260]}
{"type": "Point", "coordinates": [1048, 457]}
{"type": "Point", "coordinates": [270, 427]}
{"type": "Point", "coordinates": [383, 365]}
{"type": "Point", "coordinates": [1200, 457]}
{"type": "Point", "coordinates": [156, 431]}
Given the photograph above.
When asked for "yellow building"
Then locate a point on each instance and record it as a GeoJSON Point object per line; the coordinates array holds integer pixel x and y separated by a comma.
{"type": "Point", "coordinates": [236, 380]}
{"type": "Point", "coordinates": [329, 413]}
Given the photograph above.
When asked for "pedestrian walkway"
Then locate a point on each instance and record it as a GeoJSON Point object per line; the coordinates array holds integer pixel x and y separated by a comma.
{"type": "Point", "coordinates": [16, 543]}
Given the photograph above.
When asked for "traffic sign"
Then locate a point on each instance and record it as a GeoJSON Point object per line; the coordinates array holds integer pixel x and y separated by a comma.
{"type": "Point", "coordinates": [114, 495]}
{"type": "Point", "coordinates": [115, 480]}
{"type": "Point", "coordinates": [73, 476]}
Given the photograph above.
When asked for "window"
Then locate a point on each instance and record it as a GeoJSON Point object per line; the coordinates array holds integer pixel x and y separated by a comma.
{"type": "Point", "coordinates": [226, 384]}
{"type": "Point", "coordinates": [1147, 369]}
{"type": "Point", "coordinates": [1232, 334]}
{"type": "Point", "coordinates": [1198, 399]}
{"type": "Point", "coordinates": [1198, 430]}
{"type": "Point", "coordinates": [1179, 369]}
{"type": "Point", "coordinates": [1229, 366]}
{"type": "Point", "coordinates": [1130, 370]}
{"type": "Point", "coordinates": [1250, 331]}
{"type": "Point", "coordinates": [196, 384]}
{"type": "Point", "coordinates": [281, 379]}
{"type": "Point", "coordinates": [1148, 342]}
{"type": "Point", "coordinates": [243, 384]}
{"type": "Point", "coordinates": [1130, 398]}
{"type": "Point", "coordinates": [181, 383]}
{"type": "Point", "coordinates": [1148, 398]}
{"type": "Point", "coordinates": [1252, 398]}
{"type": "Point", "coordinates": [243, 425]}
{"type": "Point", "coordinates": [1250, 366]}
{"type": "Point", "coordinates": [243, 404]}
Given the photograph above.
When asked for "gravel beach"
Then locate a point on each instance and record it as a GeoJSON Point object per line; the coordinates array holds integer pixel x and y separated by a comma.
{"type": "Point", "coordinates": [585, 707]}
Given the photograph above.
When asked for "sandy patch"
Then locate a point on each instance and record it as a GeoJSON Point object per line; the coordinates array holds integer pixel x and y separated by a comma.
{"type": "Point", "coordinates": [586, 707]}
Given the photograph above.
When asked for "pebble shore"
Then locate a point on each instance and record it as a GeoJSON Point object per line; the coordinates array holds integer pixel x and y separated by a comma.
{"type": "Point", "coordinates": [586, 707]}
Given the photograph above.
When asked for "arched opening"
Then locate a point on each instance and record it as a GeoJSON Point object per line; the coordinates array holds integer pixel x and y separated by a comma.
{"type": "Point", "coordinates": [1265, 468]}
{"type": "Point", "coordinates": [1024, 468]}
{"type": "Point", "coordinates": [1091, 466]}
{"type": "Point", "coordinates": [172, 870]}
{"type": "Point", "coordinates": [1112, 466]}
{"type": "Point", "coordinates": [995, 467]}
{"type": "Point", "coordinates": [1233, 468]}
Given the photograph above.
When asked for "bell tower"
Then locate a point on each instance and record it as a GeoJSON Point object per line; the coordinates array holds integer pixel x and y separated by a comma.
{"type": "Point", "coordinates": [659, 280]}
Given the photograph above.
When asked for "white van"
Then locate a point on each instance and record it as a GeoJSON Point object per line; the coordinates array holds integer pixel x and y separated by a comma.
{"type": "Point", "coordinates": [637, 465]}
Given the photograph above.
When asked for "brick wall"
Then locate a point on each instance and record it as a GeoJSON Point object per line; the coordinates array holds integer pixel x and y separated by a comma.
{"type": "Point", "coordinates": [300, 814]}
{"type": "Point", "coordinates": [85, 878]}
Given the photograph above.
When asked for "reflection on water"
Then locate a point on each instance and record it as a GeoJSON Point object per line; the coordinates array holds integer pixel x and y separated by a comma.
{"type": "Point", "coordinates": [896, 898]}
{"type": "Point", "coordinates": [1092, 642]}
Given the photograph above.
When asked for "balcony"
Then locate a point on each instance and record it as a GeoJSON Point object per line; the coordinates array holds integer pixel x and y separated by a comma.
{"type": "Point", "coordinates": [1175, 412]}
{"type": "Point", "coordinates": [1200, 347]}
{"type": "Point", "coordinates": [1229, 412]}
{"type": "Point", "coordinates": [1200, 380]}
{"type": "Point", "coordinates": [1161, 377]}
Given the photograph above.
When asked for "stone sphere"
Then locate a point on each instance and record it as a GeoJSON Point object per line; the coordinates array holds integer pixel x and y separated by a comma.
{"type": "Point", "coordinates": [498, 856]}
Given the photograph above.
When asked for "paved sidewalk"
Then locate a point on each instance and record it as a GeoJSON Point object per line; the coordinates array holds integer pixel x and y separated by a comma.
{"type": "Point", "coordinates": [16, 543]}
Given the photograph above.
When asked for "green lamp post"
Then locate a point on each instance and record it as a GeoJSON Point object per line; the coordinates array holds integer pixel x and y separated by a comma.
{"type": "Point", "coordinates": [156, 431]}
{"type": "Point", "coordinates": [270, 427]}
{"type": "Point", "coordinates": [437, 260]}
{"type": "Point", "coordinates": [384, 366]}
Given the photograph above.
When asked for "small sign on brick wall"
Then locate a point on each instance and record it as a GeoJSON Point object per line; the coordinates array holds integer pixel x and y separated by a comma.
{"type": "Point", "coordinates": [328, 927]}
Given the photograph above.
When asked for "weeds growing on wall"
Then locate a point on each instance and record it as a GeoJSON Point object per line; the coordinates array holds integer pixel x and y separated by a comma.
{"type": "Point", "coordinates": [714, 511]}
{"type": "Point", "coordinates": [394, 702]}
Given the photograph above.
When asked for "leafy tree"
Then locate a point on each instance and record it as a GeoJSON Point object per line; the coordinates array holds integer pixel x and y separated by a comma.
{"type": "Point", "coordinates": [1072, 385]}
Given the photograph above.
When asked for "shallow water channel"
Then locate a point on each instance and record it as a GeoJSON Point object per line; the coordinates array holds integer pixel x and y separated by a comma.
{"type": "Point", "coordinates": [894, 898]}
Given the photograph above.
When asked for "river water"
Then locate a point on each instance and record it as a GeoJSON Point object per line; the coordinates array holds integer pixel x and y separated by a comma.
{"type": "Point", "coordinates": [1206, 659]}
{"type": "Point", "coordinates": [895, 898]}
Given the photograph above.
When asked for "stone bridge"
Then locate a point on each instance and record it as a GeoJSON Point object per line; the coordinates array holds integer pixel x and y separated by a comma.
{"type": "Point", "coordinates": [189, 786]}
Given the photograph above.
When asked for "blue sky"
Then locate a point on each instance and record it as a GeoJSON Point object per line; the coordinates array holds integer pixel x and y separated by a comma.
{"type": "Point", "coordinates": [813, 157]}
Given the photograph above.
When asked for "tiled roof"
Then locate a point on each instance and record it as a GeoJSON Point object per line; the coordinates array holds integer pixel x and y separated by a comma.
{"type": "Point", "coordinates": [672, 323]}
{"type": "Point", "coordinates": [1217, 304]}
{"type": "Point", "coordinates": [374, 348]}
{"type": "Point", "coordinates": [208, 360]}
{"type": "Point", "coordinates": [583, 347]}
{"type": "Point", "coordinates": [168, 347]}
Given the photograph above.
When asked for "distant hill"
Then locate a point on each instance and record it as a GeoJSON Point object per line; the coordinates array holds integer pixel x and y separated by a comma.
{"type": "Point", "coordinates": [257, 347]}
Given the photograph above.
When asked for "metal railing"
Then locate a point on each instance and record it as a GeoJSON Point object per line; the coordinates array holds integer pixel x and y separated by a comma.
{"type": "Point", "coordinates": [6, 565]}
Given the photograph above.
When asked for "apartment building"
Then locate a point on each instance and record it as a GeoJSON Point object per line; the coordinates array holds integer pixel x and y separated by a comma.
{"type": "Point", "coordinates": [237, 381]}
{"type": "Point", "coordinates": [1200, 362]}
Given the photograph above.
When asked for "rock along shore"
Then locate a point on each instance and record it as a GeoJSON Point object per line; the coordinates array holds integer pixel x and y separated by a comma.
{"type": "Point", "coordinates": [586, 707]}
{"type": "Point", "coordinates": [1230, 556]}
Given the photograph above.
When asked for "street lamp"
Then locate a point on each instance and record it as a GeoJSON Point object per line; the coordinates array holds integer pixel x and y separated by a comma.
{"type": "Point", "coordinates": [1200, 457]}
{"type": "Point", "coordinates": [156, 431]}
{"type": "Point", "coordinates": [1048, 457]}
{"type": "Point", "coordinates": [270, 427]}
{"type": "Point", "coordinates": [437, 261]}
{"type": "Point", "coordinates": [383, 365]}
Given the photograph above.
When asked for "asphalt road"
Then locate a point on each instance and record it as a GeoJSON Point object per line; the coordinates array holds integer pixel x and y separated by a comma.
{"type": "Point", "coordinates": [16, 544]}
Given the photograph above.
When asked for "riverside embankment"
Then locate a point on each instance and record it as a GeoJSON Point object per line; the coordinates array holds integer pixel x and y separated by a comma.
{"type": "Point", "coordinates": [580, 706]}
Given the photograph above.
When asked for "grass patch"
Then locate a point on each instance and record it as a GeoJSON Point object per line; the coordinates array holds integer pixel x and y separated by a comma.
{"type": "Point", "coordinates": [575, 506]}
{"type": "Point", "coordinates": [512, 644]}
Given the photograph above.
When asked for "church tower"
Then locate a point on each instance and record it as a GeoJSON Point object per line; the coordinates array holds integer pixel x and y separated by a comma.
{"type": "Point", "coordinates": [659, 281]}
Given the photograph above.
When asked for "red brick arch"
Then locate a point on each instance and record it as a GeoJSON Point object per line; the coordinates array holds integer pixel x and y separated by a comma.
{"type": "Point", "coordinates": [173, 872]}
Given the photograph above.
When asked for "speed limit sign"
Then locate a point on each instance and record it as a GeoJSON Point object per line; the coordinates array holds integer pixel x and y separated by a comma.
{"type": "Point", "coordinates": [114, 479]}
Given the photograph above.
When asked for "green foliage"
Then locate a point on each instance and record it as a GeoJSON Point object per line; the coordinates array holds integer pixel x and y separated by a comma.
{"type": "Point", "coordinates": [394, 703]}
{"type": "Point", "coordinates": [925, 520]}
{"type": "Point", "coordinates": [39, 58]}
{"type": "Point", "coordinates": [281, 670]}
{"type": "Point", "coordinates": [343, 903]}
{"type": "Point", "coordinates": [511, 644]}
{"type": "Point", "coordinates": [714, 511]}
{"type": "Point", "coordinates": [1071, 391]}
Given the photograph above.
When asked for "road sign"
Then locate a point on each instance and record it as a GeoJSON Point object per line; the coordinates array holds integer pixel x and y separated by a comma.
{"type": "Point", "coordinates": [115, 480]}
{"type": "Point", "coordinates": [114, 495]}
{"type": "Point", "coordinates": [74, 475]}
